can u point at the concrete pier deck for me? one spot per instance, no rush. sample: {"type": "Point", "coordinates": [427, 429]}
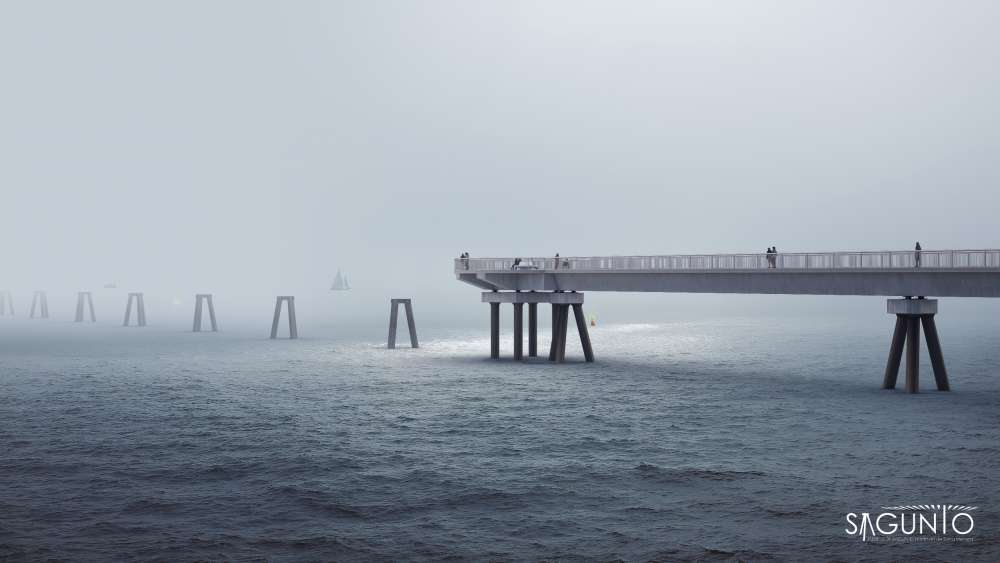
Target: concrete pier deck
{"type": "Point", "coordinates": [941, 273]}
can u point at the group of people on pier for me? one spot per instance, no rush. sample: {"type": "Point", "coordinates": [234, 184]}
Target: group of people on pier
{"type": "Point", "coordinates": [772, 256]}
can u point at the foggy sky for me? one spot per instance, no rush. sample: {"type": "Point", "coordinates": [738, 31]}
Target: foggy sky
{"type": "Point", "coordinates": [252, 148]}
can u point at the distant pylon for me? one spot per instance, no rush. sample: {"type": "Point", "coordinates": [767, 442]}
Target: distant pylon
{"type": "Point", "coordinates": [293, 329]}
{"type": "Point", "coordinates": [197, 312]}
{"type": "Point", "coordinates": [41, 300]}
{"type": "Point", "coordinates": [394, 316]}
{"type": "Point", "coordinates": [140, 309]}
{"type": "Point", "coordinates": [80, 297]}
{"type": "Point", "coordinates": [6, 302]}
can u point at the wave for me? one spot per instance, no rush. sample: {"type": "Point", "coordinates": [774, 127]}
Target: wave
{"type": "Point", "coordinates": [657, 473]}
{"type": "Point", "coordinates": [316, 501]}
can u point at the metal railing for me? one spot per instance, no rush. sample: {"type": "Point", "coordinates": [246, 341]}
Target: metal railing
{"type": "Point", "coordinates": [879, 260]}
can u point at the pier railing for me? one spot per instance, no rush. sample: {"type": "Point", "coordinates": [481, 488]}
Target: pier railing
{"type": "Point", "coordinates": [879, 260]}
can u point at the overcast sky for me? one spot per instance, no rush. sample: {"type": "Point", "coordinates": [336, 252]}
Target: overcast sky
{"type": "Point", "coordinates": [253, 148]}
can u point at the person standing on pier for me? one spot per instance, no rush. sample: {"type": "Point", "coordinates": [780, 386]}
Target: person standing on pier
{"type": "Point", "coordinates": [772, 257]}
{"type": "Point", "coordinates": [916, 255]}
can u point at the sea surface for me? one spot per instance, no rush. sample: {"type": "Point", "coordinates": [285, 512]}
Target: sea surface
{"type": "Point", "coordinates": [712, 440]}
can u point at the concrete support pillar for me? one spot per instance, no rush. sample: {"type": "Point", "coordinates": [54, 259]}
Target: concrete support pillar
{"type": "Point", "coordinates": [555, 333]}
{"type": "Point", "coordinates": [80, 298]}
{"type": "Point", "coordinates": [39, 301]}
{"type": "Point", "coordinates": [934, 349]}
{"type": "Point", "coordinates": [532, 330]}
{"type": "Point", "coordinates": [560, 301]}
{"type": "Point", "coordinates": [393, 320]}
{"type": "Point", "coordinates": [913, 354]}
{"type": "Point", "coordinates": [207, 299]}
{"type": "Point", "coordinates": [140, 309]}
{"type": "Point", "coordinates": [6, 303]}
{"type": "Point", "coordinates": [495, 331]}
{"type": "Point", "coordinates": [410, 322]}
{"type": "Point", "coordinates": [581, 327]}
{"type": "Point", "coordinates": [563, 314]}
{"type": "Point", "coordinates": [518, 331]}
{"type": "Point", "coordinates": [895, 353]}
{"type": "Point", "coordinates": [293, 325]}
{"type": "Point", "coordinates": [910, 314]}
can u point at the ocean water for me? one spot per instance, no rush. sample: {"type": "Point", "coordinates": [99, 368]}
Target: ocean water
{"type": "Point", "coordinates": [716, 440]}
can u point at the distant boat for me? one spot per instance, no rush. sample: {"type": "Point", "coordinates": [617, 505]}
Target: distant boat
{"type": "Point", "coordinates": [340, 283]}
{"type": "Point", "coordinates": [110, 286]}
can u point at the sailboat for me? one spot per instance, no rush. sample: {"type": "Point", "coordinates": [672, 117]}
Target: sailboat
{"type": "Point", "coordinates": [340, 283]}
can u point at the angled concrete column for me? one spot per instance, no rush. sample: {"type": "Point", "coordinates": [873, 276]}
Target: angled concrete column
{"type": "Point", "coordinates": [140, 309]}
{"type": "Point", "coordinates": [934, 349]}
{"type": "Point", "coordinates": [518, 331]}
{"type": "Point", "coordinates": [206, 298]}
{"type": "Point", "coordinates": [39, 301]}
{"type": "Point", "coordinates": [293, 329]}
{"type": "Point", "coordinates": [913, 354]}
{"type": "Point", "coordinates": [293, 322]}
{"type": "Point", "coordinates": [532, 330]}
{"type": "Point", "coordinates": [581, 327]}
{"type": "Point", "coordinates": [910, 314]}
{"type": "Point", "coordinates": [895, 353]}
{"type": "Point", "coordinates": [563, 329]}
{"type": "Point", "coordinates": [411, 323]}
{"type": "Point", "coordinates": [6, 303]}
{"type": "Point", "coordinates": [394, 321]}
{"type": "Point", "coordinates": [80, 298]}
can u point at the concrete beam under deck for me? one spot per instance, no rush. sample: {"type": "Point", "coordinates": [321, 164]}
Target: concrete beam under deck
{"type": "Point", "coordinates": [912, 306]}
{"type": "Point", "coordinates": [894, 282]}
{"type": "Point", "coordinates": [562, 298]}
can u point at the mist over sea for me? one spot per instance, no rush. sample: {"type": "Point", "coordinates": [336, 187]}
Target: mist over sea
{"type": "Point", "coordinates": [716, 439]}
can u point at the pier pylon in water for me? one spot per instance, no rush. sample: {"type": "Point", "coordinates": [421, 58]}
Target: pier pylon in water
{"type": "Point", "coordinates": [40, 300]}
{"type": "Point", "coordinates": [206, 298]}
{"type": "Point", "coordinates": [910, 314]}
{"type": "Point", "coordinates": [140, 309]}
{"type": "Point", "coordinates": [293, 328]}
{"type": "Point", "coordinates": [80, 298]}
{"type": "Point", "coordinates": [561, 303]}
{"type": "Point", "coordinates": [410, 323]}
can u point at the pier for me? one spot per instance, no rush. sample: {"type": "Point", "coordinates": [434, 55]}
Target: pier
{"type": "Point", "coordinates": [904, 274]}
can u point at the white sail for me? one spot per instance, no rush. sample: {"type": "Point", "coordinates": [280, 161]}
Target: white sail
{"type": "Point", "coordinates": [340, 283]}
